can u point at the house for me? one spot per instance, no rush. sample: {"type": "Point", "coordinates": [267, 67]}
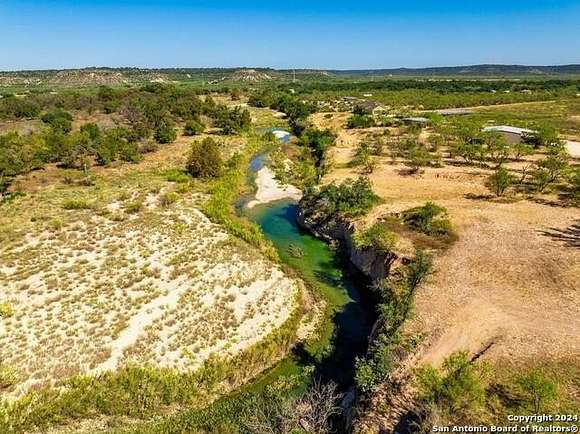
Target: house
{"type": "Point", "coordinates": [513, 135]}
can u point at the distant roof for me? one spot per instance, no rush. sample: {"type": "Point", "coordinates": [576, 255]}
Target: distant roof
{"type": "Point", "coordinates": [453, 111]}
{"type": "Point", "coordinates": [508, 129]}
{"type": "Point", "coordinates": [369, 105]}
{"type": "Point", "coordinates": [416, 119]}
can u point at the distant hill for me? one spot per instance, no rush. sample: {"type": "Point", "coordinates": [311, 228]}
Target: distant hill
{"type": "Point", "coordinates": [118, 76]}
{"type": "Point", "coordinates": [472, 70]}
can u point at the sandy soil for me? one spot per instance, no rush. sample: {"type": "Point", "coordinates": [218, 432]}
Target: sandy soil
{"type": "Point", "coordinates": [573, 148]}
{"type": "Point", "coordinates": [270, 190]}
{"type": "Point", "coordinates": [512, 279]}
{"type": "Point", "coordinates": [93, 289]}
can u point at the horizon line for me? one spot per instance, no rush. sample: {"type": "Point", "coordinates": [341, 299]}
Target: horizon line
{"type": "Point", "coordinates": [398, 68]}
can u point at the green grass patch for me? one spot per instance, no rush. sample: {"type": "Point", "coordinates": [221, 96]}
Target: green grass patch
{"type": "Point", "coordinates": [226, 190]}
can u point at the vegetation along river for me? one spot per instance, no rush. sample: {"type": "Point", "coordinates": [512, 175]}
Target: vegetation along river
{"type": "Point", "coordinates": [329, 356]}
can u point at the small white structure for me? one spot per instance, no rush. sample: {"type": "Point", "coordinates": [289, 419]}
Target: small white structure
{"type": "Point", "coordinates": [281, 135]}
{"type": "Point", "coordinates": [416, 120]}
{"type": "Point", "coordinates": [513, 135]}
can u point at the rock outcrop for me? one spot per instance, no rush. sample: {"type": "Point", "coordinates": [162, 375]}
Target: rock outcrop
{"type": "Point", "coordinates": [375, 265]}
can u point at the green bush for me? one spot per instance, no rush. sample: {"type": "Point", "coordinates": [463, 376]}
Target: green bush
{"type": "Point", "coordinates": [6, 309]}
{"type": "Point", "coordinates": [458, 390]}
{"type": "Point", "coordinates": [8, 378]}
{"type": "Point", "coordinates": [360, 121]}
{"type": "Point", "coordinates": [377, 237]}
{"type": "Point", "coordinates": [178, 176]}
{"type": "Point", "coordinates": [165, 132]}
{"type": "Point", "coordinates": [574, 179]}
{"type": "Point", "coordinates": [204, 159]}
{"type": "Point", "coordinates": [59, 120]}
{"type": "Point", "coordinates": [193, 127]}
{"type": "Point", "coordinates": [168, 198]}
{"type": "Point", "coordinates": [77, 204]}
{"type": "Point", "coordinates": [134, 207]}
{"type": "Point", "coordinates": [233, 121]}
{"type": "Point", "coordinates": [538, 390]}
{"type": "Point", "coordinates": [430, 219]}
{"type": "Point", "coordinates": [363, 157]}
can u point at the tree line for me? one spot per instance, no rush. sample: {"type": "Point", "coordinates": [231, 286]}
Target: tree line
{"type": "Point", "coordinates": [149, 117]}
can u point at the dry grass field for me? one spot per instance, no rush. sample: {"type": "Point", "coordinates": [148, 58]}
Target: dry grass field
{"type": "Point", "coordinates": [127, 269]}
{"type": "Point", "coordinates": [511, 280]}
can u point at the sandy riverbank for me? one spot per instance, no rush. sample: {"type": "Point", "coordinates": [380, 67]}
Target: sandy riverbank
{"type": "Point", "coordinates": [270, 190]}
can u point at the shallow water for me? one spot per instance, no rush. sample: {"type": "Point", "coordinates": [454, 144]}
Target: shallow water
{"type": "Point", "coordinates": [343, 288]}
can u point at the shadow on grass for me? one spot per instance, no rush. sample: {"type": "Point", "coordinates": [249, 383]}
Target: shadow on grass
{"type": "Point", "coordinates": [569, 236]}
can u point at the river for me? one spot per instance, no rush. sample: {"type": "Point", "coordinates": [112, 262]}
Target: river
{"type": "Point", "coordinates": [351, 313]}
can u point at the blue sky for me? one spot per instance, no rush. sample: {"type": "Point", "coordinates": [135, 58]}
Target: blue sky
{"type": "Point", "coordinates": [284, 34]}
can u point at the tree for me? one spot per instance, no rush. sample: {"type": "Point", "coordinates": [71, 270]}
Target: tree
{"type": "Point", "coordinates": [500, 181]}
{"type": "Point", "coordinates": [12, 162]}
{"type": "Point", "coordinates": [419, 157]}
{"type": "Point", "coordinates": [497, 147]}
{"type": "Point", "coordinates": [539, 389]}
{"type": "Point", "coordinates": [59, 120]}
{"type": "Point", "coordinates": [233, 121]}
{"type": "Point", "coordinates": [79, 149]}
{"type": "Point", "coordinates": [544, 136]}
{"type": "Point", "coordinates": [550, 169]}
{"type": "Point", "coordinates": [363, 158]}
{"type": "Point", "coordinates": [521, 149]}
{"type": "Point", "coordinates": [204, 159]}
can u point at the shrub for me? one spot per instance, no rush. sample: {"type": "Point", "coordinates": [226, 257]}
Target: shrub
{"type": "Point", "coordinates": [77, 204]}
{"type": "Point", "coordinates": [165, 132]}
{"type": "Point", "coordinates": [360, 121]}
{"type": "Point", "coordinates": [146, 146]}
{"type": "Point", "coordinates": [538, 389]}
{"type": "Point", "coordinates": [550, 169]}
{"type": "Point", "coordinates": [59, 120]}
{"type": "Point", "coordinates": [134, 207]}
{"type": "Point", "coordinates": [363, 157]}
{"type": "Point", "coordinates": [178, 176]}
{"type": "Point", "coordinates": [574, 179]}
{"type": "Point", "coordinates": [193, 127]}
{"type": "Point", "coordinates": [458, 390]}
{"type": "Point", "coordinates": [6, 309]}
{"type": "Point", "coordinates": [500, 181]}
{"type": "Point", "coordinates": [233, 121]}
{"type": "Point", "coordinates": [168, 198]}
{"type": "Point", "coordinates": [377, 237]}
{"type": "Point", "coordinates": [8, 377]}
{"type": "Point", "coordinates": [204, 159]}
{"type": "Point", "coordinates": [430, 219]}
{"type": "Point", "coordinates": [419, 157]}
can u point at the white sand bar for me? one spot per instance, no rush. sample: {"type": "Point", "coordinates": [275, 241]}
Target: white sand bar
{"type": "Point", "coordinates": [270, 190]}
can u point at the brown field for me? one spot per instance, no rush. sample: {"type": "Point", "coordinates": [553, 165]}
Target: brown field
{"type": "Point", "coordinates": [511, 280]}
